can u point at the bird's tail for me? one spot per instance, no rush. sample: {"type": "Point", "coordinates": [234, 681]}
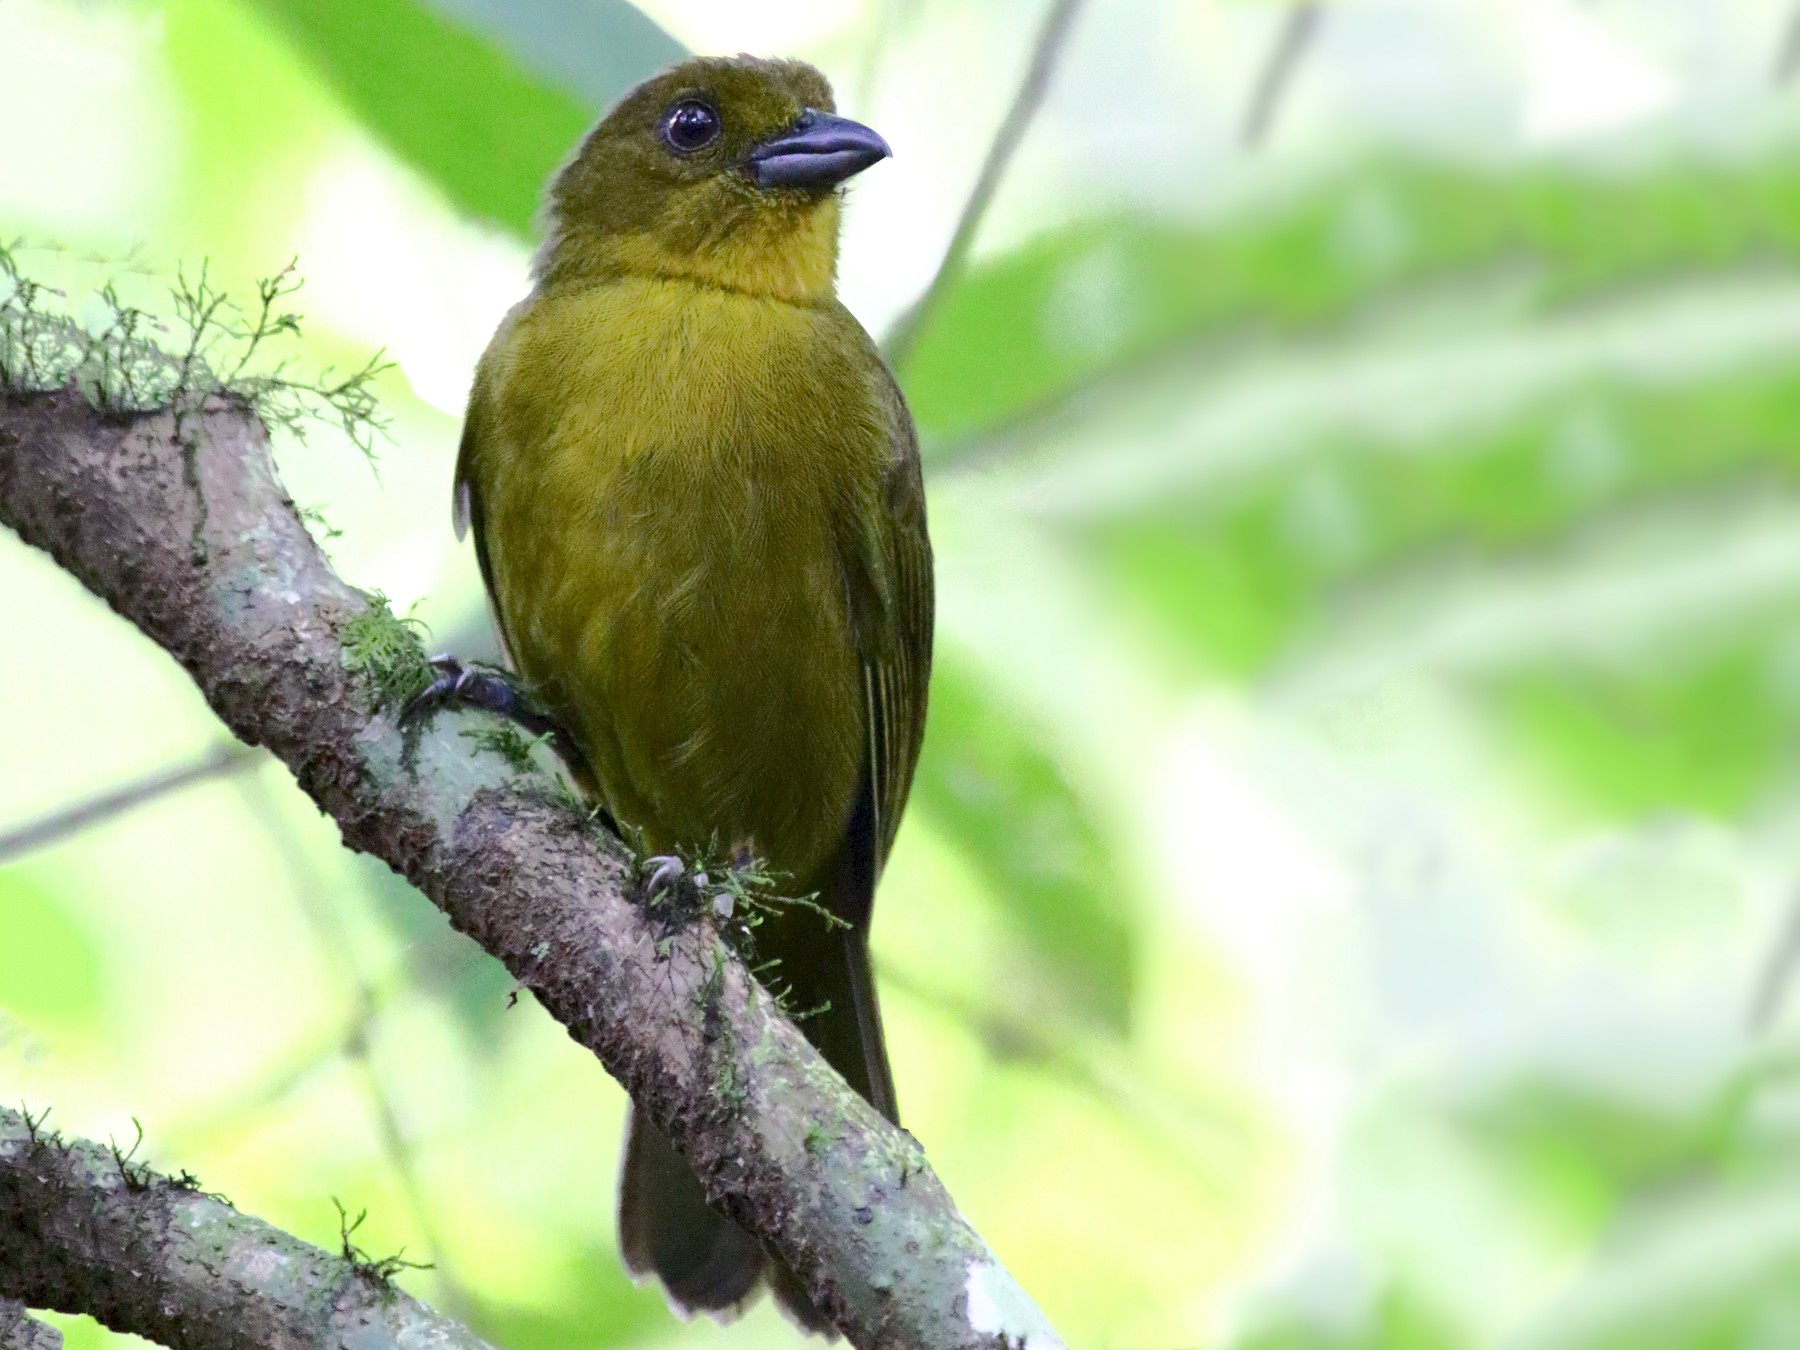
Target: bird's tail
{"type": "Point", "coordinates": [705, 1262]}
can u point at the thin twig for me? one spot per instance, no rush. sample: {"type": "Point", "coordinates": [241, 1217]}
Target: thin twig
{"type": "Point", "coordinates": [59, 825]}
{"type": "Point", "coordinates": [1051, 39]}
{"type": "Point", "coordinates": [1776, 974]}
{"type": "Point", "coordinates": [1787, 56]}
{"type": "Point", "coordinates": [1299, 29]}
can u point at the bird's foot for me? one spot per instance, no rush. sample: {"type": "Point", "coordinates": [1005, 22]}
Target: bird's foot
{"type": "Point", "coordinates": [465, 685]}
{"type": "Point", "coordinates": [665, 873]}
{"type": "Point", "coordinates": [470, 686]}
{"type": "Point", "coordinates": [660, 872]}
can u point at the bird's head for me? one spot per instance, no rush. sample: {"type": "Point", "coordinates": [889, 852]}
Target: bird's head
{"type": "Point", "coordinates": [721, 171]}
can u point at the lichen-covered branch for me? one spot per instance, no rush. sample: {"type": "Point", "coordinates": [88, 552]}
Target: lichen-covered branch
{"type": "Point", "coordinates": [83, 1228]}
{"type": "Point", "coordinates": [19, 1330]}
{"type": "Point", "coordinates": [178, 521]}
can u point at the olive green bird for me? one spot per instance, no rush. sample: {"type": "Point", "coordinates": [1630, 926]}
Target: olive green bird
{"type": "Point", "coordinates": [695, 494]}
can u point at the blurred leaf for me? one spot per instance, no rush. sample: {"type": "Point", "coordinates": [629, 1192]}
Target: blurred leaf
{"type": "Point", "coordinates": [1703, 735]}
{"type": "Point", "coordinates": [1714, 1274]}
{"type": "Point", "coordinates": [49, 965]}
{"type": "Point", "coordinates": [471, 985]}
{"type": "Point", "coordinates": [1226, 599]}
{"type": "Point", "coordinates": [1033, 326]}
{"type": "Point", "coordinates": [987, 783]}
{"type": "Point", "coordinates": [603, 1307]}
{"type": "Point", "coordinates": [1400, 1320]}
{"type": "Point", "coordinates": [1238, 568]}
{"type": "Point", "coordinates": [596, 49]}
{"type": "Point", "coordinates": [1576, 1152]}
{"type": "Point", "coordinates": [458, 106]}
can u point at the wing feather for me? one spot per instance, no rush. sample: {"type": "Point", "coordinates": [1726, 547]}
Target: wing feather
{"type": "Point", "coordinates": [466, 512]}
{"type": "Point", "coordinates": [893, 617]}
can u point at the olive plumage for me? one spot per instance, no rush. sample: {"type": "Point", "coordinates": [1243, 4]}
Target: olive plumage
{"type": "Point", "coordinates": [695, 494]}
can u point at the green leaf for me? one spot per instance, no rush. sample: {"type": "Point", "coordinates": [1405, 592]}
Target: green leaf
{"type": "Point", "coordinates": [480, 121]}
{"type": "Point", "coordinates": [596, 49]}
{"type": "Point", "coordinates": [602, 1308]}
{"type": "Point", "coordinates": [1399, 1320]}
{"type": "Point", "coordinates": [1238, 570]}
{"type": "Point", "coordinates": [1707, 733]}
{"type": "Point", "coordinates": [1576, 1152]}
{"type": "Point", "coordinates": [49, 965]}
{"type": "Point", "coordinates": [1036, 325]}
{"type": "Point", "coordinates": [988, 783]}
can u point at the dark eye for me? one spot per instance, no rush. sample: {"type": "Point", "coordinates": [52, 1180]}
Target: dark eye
{"type": "Point", "coordinates": [690, 125]}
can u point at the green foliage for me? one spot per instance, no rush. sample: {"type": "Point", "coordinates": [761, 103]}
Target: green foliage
{"type": "Point", "coordinates": [1400, 1320]}
{"type": "Point", "coordinates": [988, 783]}
{"type": "Point", "coordinates": [1707, 734]}
{"type": "Point", "coordinates": [50, 965]}
{"type": "Point", "coordinates": [386, 651]}
{"type": "Point", "coordinates": [1577, 1155]}
{"type": "Point", "coordinates": [1238, 570]}
{"type": "Point", "coordinates": [1031, 328]}
{"type": "Point", "coordinates": [464, 110]}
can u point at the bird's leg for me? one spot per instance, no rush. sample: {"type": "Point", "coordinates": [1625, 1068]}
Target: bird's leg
{"type": "Point", "coordinates": [470, 686]}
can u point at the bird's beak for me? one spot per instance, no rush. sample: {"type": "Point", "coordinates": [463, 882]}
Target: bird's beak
{"type": "Point", "coordinates": [818, 152]}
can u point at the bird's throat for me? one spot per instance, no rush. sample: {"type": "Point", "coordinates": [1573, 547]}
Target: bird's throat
{"type": "Point", "coordinates": [789, 256]}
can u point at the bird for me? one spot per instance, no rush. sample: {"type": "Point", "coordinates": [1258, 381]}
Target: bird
{"type": "Point", "coordinates": [696, 500]}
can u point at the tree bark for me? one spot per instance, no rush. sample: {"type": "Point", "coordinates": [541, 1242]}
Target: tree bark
{"type": "Point", "coordinates": [82, 1230]}
{"type": "Point", "coordinates": [178, 521]}
{"type": "Point", "coordinates": [19, 1330]}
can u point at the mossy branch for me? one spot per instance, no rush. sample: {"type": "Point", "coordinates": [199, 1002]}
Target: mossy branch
{"type": "Point", "coordinates": [86, 1228]}
{"type": "Point", "coordinates": [178, 521]}
{"type": "Point", "coordinates": [134, 363]}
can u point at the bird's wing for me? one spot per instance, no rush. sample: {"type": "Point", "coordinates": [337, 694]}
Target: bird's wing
{"type": "Point", "coordinates": [466, 502]}
{"type": "Point", "coordinates": [891, 616]}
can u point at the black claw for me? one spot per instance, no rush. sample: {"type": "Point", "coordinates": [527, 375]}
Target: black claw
{"type": "Point", "coordinates": [474, 687]}
{"type": "Point", "coordinates": [466, 686]}
{"type": "Point", "coordinates": [665, 870]}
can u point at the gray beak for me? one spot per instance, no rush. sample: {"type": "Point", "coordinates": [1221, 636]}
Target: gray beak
{"type": "Point", "coordinates": [818, 152]}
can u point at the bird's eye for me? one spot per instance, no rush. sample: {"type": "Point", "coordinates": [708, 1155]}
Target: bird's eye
{"type": "Point", "coordinates": [690, 125]}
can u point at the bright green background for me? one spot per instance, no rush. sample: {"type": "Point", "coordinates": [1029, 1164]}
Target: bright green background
{"type": "Point", "coordinates": [1358, 813]}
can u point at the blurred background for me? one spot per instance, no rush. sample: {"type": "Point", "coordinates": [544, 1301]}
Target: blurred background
{"type": "Point", "coordinates": [1350, 895]}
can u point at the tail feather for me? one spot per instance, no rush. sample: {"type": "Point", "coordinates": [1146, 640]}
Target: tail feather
{"type": "Point", "coordinates": [703, 1259]}
{"type": "Point", "coordinates": [706, 1263]}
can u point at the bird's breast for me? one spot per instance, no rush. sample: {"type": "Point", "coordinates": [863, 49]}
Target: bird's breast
{"type": "Point", "coordinates": [664, 525]}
